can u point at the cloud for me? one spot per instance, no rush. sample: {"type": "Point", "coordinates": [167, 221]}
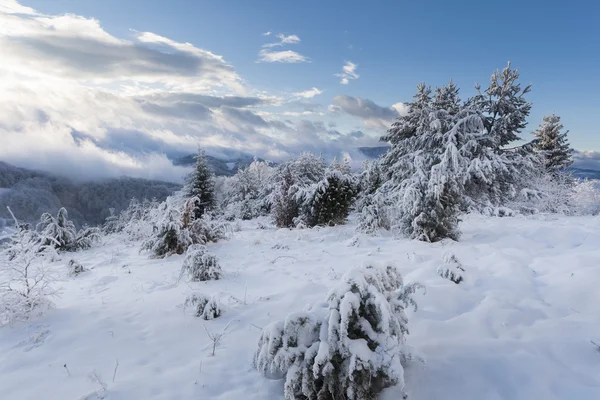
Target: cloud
{"type": "Point", "coordinates": [310, 93]}
{"type": "Point", "coordinates": [373, 115]}
{"type": "Point", "coordinates": [75, 47]}
{"type": "Point", "coordinates": [586, 159]}
{"type": "Point", "coordinates": [268, 33]}
{"type": "Point", "coordinates": [348, 73]}
{"type": "Point", "coordinates": [81, 102]}
{"type": "Point", "coordinates": [12, 7]}
{"type": "Point", "coordinates": [283, 40]}
{"type": "Point", "coordinates": [284, 56]}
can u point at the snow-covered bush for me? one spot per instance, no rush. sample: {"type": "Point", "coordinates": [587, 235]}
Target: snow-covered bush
{"type": "Point", "coordinates": [199, 265]}
{"type": "Point", "coordinates": [284, 205]}
{"type": "Point", "coordinates": [352, 348]}
{"type": "Point", "coordinates": [205, 307]}
{"type": "Point", "coordinates": [59, 232]}
{"type": "Point", "coordinates": [245, 194]}
{"type": "Point", "coordinates": [547, 193]}
{"type": "Point", "coordinates": [586, 197]}
{"type": "Point", "coordinates": [26, 285]}
{"type": "Point", "coordinates": [207, 229]}
{"type": "Point", "coordinates": [178, 228]}
{"type": "Point", "coordinates": [74, 268]}
{"type": "Point", "coordinates": [87, 237]}
{"type": "Point", "coordinates": [328, 202]}
{"type": "Point", "coordinates": [171, 237]}
{"type": "Point", "coordinates": [452, 269]}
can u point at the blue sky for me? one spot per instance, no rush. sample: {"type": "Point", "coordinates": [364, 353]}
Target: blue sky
{"type": "Point", "coordinates": [393, 45]}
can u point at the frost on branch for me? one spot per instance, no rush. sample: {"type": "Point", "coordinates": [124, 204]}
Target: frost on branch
{"type": "Point", "coordinates": [452, 269]}
{"type": "Point", "coordinates": [199, 265]}
{"type": "Point", "coordinates": [205, 307]}
{"type": "Point", "coordinates": [352, 348]}
{"type": "Point", "coordinates": [26, 285]}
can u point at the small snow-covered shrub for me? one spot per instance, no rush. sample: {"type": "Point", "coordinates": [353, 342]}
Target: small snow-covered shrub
{"type": "Point", "coordinates": [586, 197]}
{"type": "Point", "coordinates": [452, 269]}
{"type": "Point", "coordinates": [87, 237]}
{"type": "Point", "coordinates": [75, 268]}
{"type": "Point", "coordinates": [205, 307]}
{"type": "Point", "coordinates": [206, 229]}
{"type": "Point", "coordinates": [171, 237]}
{"type": "Point", "coordinates": [352, 348]}
{"type": "Point", "coordinates": [199, 265]}
{"type": "Point", "coordinates": [26, 285]}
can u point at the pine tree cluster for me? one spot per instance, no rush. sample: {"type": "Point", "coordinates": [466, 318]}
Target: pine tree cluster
{"type": "Point", "coordinates": [449, 156]}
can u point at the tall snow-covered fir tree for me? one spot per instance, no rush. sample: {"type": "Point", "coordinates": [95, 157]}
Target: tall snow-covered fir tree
{"type": "Point", "coordinates": [504, 106]}
{"type": "Point", "coordinates": [553, 145]}
{"type": "Point", "coordinates": [422, 165]}
{"type": "Point", "coordinates": [200, 184]}
{"type": "Point", "coordinates": [441, 157]}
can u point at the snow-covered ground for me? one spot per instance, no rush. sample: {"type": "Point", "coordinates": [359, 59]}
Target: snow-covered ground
{"type": "Point", "coordinates": [518, 327]}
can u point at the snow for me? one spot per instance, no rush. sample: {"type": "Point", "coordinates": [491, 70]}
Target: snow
{"type": "Point", "coordinates": [231, 165]}
{"type": "Point", "coordinates": [518, 327]}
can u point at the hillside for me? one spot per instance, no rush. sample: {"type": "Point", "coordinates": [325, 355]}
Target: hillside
{"type": "Point", "coordinates": [519, 327]}
{"type": "Point", "coordinates": [30, 193]}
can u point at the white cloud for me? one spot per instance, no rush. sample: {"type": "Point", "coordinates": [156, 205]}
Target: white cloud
{"type": "Point", "coordinates": [77, 100]}
{"type": "Point", "coordinates": [309, 94]}
{"type": "Point", "coordinates": [284, 56]}
{"type": "Point", "coordinates": [372, 114]}
{"type": "Point", "coordinates": [267, 33]}
{"type": "Point", "coordinates": [348, 73]}
{"type": "Point", "coordinates": [283, 40]}
{"type": "Point", "coordinates": [12, 7]}
{"type": "Point", "coordinates": [75, 47]}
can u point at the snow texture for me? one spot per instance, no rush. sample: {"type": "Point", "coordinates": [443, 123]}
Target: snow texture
{"type": "Point", "coordinates": [518, 328]}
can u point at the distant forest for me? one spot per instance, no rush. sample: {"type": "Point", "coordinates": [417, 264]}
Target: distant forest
{"type": "Point", "coordinates": [30, 193]}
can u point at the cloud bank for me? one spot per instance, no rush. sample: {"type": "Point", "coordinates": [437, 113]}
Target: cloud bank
{"type": "Point", "coordinates": [78, 101]}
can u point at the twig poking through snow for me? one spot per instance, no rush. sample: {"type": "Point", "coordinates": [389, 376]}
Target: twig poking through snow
{"type": "Point", "coordinates": [115, 373]}
{"type": "Point", "coordinates": [216, 337]}
{"type": "Point", "coordinates": [595, 344]}
{"type": "Point", "coordinates": [277, 258]}
{"type": "Point", "coordinates": [67, 368]}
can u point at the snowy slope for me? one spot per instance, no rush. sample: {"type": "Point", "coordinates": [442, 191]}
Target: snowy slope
{"type": "Point", "coordinates": [519, 327]}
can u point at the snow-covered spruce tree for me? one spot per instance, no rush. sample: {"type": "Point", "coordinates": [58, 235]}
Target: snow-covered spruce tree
{"type": "Point", "coordinates": [171, 238]}
{"type": "Point", "coordinates": [199, 265]}
{"type": "Point", "coordinates": [111, 224]}
{"type": "Point", "coordinates": [26, 285]}
{"type": "Point", "coordinates": [328, 201]}
{"type": "Point", "coordinates": [504, 106]}
{"type": "Point", "coordinates": [424, 169]}
{"type": "Point", "coordinates": [60, 232]}
{"type": "Point", "coordinates": [372, 204]}
{"type": "Point", "coordinates": [553, 145]}
{"type": "Point", "coordinates": [200, 184]}
{"type": "Point", "coordinates": [284, 205]}
{"type": "Point", "coordinates": [352, 349]}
